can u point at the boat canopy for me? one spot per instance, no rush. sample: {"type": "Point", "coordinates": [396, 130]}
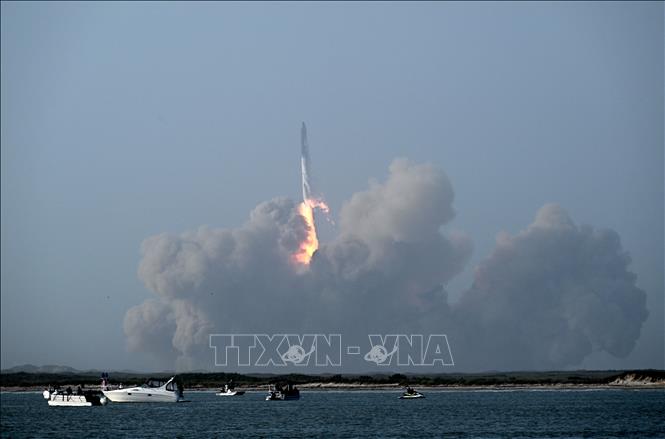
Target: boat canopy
{"type": "Point", "coordinates": [156, 382]}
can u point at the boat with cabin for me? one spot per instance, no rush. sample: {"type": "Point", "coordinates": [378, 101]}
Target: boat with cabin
{"type": "Point", "coordinates": [153, 390]}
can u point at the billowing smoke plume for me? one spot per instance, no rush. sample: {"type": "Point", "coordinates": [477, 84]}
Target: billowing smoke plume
{"type": "Point", "coordinates": [217, 280]}
{"type": "Point", "coordinates": [549, 296]}
{"type": "Point", "coordinates": [545, 298]}
{"type": "Point", "coordinates": [386, 269]}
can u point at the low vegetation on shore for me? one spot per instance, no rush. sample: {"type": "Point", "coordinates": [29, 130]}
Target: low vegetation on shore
{"type": "Point", "coordinates": [649, 378]}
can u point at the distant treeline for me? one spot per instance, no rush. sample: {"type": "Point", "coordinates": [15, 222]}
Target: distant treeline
{"type": "Point", "coordinates": [211, 380]}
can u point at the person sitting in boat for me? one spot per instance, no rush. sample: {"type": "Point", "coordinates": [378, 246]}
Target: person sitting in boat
{"type": "Point", "coordinates": [79, 390]}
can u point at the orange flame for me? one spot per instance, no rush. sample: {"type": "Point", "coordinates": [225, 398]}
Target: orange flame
{"type": "Point", "coordinates": [318, 204]}
{"type": "Point", "coordinates": [311, 242]}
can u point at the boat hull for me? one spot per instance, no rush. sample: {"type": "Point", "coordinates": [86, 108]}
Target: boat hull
{"type": "Point", "coordinates": [240, 393]}
{"type": "Point", "coordinates": [417, 396]}
{"type": "Point", "coordinates": [64, 400]}
{"type": "Point", "coordinates": [140, 395]}
{"type": "Point", "coordinates": [282, 397]}
{"type": "Point", "coordinates": [69, 401]}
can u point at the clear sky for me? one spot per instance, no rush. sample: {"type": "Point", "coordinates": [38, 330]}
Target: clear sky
{"type": "Point", "coordinates": [125, 120]}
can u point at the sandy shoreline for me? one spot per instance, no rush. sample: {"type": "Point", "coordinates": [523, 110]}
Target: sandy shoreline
{"type": "Point", "coordinates": [396, 387]}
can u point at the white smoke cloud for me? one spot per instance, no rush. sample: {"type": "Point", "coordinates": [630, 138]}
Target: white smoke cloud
{"type": "Point", "coordinates": [549, 296]}
{"type": "Point", "coordinates": [411, 206]}
{"type": "Point", "coordinates": [540, 300]}
{"type": "Point", "coordinates": [387, 267]}
{"type": "Point", "coordinates": [151, 324]}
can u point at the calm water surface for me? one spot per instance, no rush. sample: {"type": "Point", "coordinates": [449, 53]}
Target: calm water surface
{"type": "Point", "coordinates": [465, 414]}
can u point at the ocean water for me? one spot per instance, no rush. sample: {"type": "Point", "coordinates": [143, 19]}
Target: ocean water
{"type": "Point", "coordinates": [363, 414]}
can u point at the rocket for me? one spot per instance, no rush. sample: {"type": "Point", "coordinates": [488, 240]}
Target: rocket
{"type": "Point", "coordinates": [304, 166]}
{"type": "Point", "coordinates": [310, 202]}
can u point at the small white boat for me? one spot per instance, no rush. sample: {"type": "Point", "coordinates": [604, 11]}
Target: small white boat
{"type": "Point", "coordinates": [68, 399]}
{"type": "Point", "coordinates": [154, 390]}
{"type": "Point", "coordinates": [411, 394]}
{"type": "Point", "coordinates": [229, 391]}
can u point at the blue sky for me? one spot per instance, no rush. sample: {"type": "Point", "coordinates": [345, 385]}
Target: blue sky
{"type": "Point", "coordinates": [124, 120]}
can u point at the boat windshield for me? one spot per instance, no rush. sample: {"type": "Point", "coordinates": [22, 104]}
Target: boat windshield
{"type": "Point", "coordinates": [154, 383]}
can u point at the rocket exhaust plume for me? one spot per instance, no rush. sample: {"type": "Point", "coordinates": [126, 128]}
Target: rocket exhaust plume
{"type": "Point", "coordinates": [309, 202]}
{"type": "Point", "coordinates": [390, 256]}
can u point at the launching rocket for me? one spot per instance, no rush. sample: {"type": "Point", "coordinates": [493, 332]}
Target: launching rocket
{"type": "Point", "coordinates": [309, 202]}
{"type": "Point", "coordinates": [304, 165]}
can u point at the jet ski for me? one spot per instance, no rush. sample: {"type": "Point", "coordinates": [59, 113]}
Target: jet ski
{"type": "Point", "coordinates": [410, 393]}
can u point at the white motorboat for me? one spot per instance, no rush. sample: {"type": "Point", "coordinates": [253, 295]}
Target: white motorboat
{"type": "Point", "coordinates": [230, 391]}
{"type": "Point", "coordinates": [86, 398]}
{"type": "Point", "coordinates": [154, 390]}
